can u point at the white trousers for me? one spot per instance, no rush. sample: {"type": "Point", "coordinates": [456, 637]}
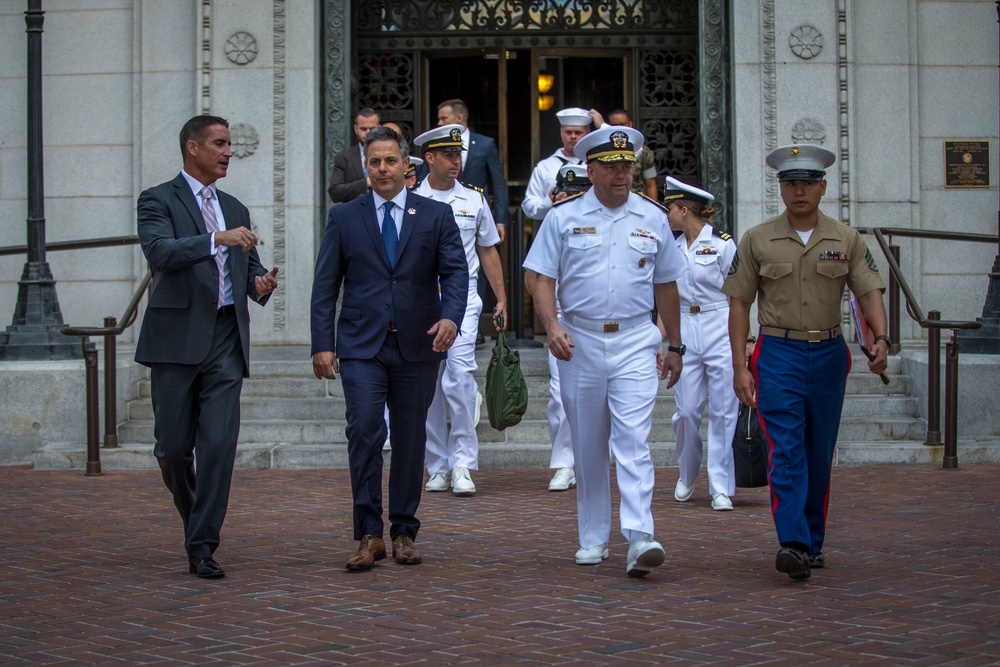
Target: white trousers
{"type": "Point", "coordinates": [456, 388]}
{"type": "Point", "coordinates": [562, 443]}
{"type": "Point", "coordinates": [708, 361]}
{"type": "Point", "coordinates": [608, 390]}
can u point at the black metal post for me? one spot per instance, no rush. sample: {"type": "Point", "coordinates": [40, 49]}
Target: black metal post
{"type": "Point", "coordinates": [894, 304]}
{"type": "Point", "coordinates": [933, 382]}
{"type": "Point", "coordinates": [93, 445]}
{"type": "Point", "coordinates": [515, 299]}
{"type": "Point", "coordinates": [987, 339]}
{"type": "Point", "coordinates": [35, 333]}
{"type": "Point", "coordinates": [110, 385]}
{"type": "Point", "coordinates": [950, 460]}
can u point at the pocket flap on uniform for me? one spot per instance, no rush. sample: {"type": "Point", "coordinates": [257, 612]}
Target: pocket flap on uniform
{"type": "Point", "coordinates": [775, 270]}
{"type": "Point", "coordinates": [584, 241]}
{"type": "Point", "coordinates": [169, 301]}
{"type": "Point", "coordinates": [832, 269]}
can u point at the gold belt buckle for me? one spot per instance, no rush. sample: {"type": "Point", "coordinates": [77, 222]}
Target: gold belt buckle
{"type": "Point", "coordinates": [695, 309]}
{"type": "Point", "coordinates": [815, 340]}
{"type": "Point", "coordinates": [610, 327]}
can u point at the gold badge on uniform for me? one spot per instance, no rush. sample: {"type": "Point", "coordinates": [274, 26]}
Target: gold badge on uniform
{"type": "Point", "coordinates": [585, 230]}
{"type": "Point", "coordinates": [795, 150]}
{"type": "Point", "coordinates": [456, 134]}
{"type": "Point", "coordinates": [619, 139]}
{"type": "Point", "coordinates": [642, 262]}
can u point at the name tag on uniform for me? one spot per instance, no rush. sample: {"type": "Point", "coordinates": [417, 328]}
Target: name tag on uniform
{"type": "Point", "coordinates": [833, 255]}
{"type": "Point", "coordinates": [585, 230]}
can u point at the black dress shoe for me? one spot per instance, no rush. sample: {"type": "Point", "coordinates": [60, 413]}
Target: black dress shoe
{"type": "Point", "coordinates": [793, 562]}
{"type": "Point", "coordinates": [206, 568]}
{"type": "Point", "coordinates": [817, 561]}
{"type": "Point", "coordinates": [480, 339]}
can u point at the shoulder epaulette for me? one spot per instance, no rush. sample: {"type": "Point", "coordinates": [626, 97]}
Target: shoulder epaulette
{"type": "Point", "coordinates": [416, 185]}
{"type": "Point", "coordinates": [473, 187]}
{"type": "Point", "coordinates": [570, 198]}
{"type": "Point", "coordinates": [721, 234]}
{"type": "Point", "coordinates": [652, 201]}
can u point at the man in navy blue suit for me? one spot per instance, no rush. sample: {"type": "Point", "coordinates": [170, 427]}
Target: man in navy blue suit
{"type": "Point", "coordinates": [391, 250]}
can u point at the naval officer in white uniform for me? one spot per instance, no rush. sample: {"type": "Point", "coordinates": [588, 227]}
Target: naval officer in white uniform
{"type": "Point", "coordinates": [613, 255]}
{"type": "Point", "coordinates": [708, 254]}
{"type": "Point", "coordinates": [457, 452]}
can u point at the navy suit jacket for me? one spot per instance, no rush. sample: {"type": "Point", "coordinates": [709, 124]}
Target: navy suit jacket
{"type": "Point", "coordinates": [347, 180]}
{"type": "Point", "coordinates": [430, 253]}
{"type": "Point", "coordinates": [177, 325]}
{"type": "Point", "coordinates": [484, 170]}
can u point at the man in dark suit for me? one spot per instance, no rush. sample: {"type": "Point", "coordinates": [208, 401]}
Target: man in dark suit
{"type": "Point", "coordinates": [391, 250]}
{"type": "Point", "coordinates": [349, 178]}
{"type": "Point", "coordinates": [195, 334]}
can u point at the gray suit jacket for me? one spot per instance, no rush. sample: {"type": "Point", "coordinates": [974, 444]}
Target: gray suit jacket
{"type": "Point", "coordinates": [178, 323]}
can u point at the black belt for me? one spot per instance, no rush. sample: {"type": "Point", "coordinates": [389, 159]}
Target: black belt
{"type": "Point", "coordinates": [226, 311]}
{"type": "Point", "coordinates": [392, 326]}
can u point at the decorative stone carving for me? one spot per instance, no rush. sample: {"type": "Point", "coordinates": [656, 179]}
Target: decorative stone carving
{"type": "Point", "coordinates": [845, 133]}
{"type": "Point", "coordinates": [713, 106]}
{"type": "Point", "coordinates": [806, 42]}
{"type": "Point", "coordinates": [244, 138]}
{"type": "Point", "coordinates": [241, 48]}
{"type": "Point", "coordinates": [770, 95]}
{"type": "Point", "coordinates": [808, 131]}
{"type": "Point", "coordinates": [279, 220]}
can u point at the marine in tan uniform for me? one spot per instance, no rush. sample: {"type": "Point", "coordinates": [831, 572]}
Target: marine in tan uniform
{"type": "Point", "coordinates": [796, 266]}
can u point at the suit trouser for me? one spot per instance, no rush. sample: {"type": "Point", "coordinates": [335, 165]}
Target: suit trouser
{"type": "Point", "coordinates": [562, 442]}
{"type": "Point", "coordinates": [407, 387]}
{"type": "Point", "coordinates": [456, 387]}
{"type": "Point", "coordinates": [608, 390]}
{"type": "Point", "coordinates": [197, 417]}
{"type": "Point", "coordinates": [800, 396]}
{"type": "Point", "coordinates": [708, 362]}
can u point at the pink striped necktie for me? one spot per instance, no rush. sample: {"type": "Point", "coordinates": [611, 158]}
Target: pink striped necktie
{"type": "Point", "coordinates": [212, 225]}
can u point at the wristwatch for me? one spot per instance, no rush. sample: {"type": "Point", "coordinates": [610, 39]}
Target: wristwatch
{"type": "Point", "coordinates": [679, 350]}
{"type": "Point", "coordinates": [885, 338]}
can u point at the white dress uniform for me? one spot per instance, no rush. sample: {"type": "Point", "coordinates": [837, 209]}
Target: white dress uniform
{"type": "Point", "coordinates": [606, 263]}
{"type": "Point", "coordinates": [456, 378]}
{"type": "Point", "coordinates": [705, 332]}
{"type": "Point", "coordinates": [543, 178]}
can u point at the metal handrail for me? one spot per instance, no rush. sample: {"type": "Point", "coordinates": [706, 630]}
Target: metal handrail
{"type": "Point", "coordinates": [111, 330]}
{"type": "Point", "coordinates": [934, 325]}
{"type": "Point", "coordinates": [83, 244]}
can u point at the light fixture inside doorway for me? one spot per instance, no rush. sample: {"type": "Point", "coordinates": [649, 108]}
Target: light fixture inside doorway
{"type": "Point", "coordinates": [545, 83]}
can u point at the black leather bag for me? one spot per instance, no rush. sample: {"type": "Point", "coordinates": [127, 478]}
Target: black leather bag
{"type": "Point", "coordinates": [749, 450]}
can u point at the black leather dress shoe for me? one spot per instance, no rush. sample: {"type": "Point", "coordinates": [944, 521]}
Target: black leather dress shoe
{"type": "Point", "coordinates": [206, 568]}
{"type": "Point", "coordinates": [793, 562]}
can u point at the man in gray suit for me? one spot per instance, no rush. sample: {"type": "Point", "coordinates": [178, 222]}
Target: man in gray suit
{"type": "Point", "coordinates": [349, 178]}
{"type": "Point", "coordinates": [195, 334]}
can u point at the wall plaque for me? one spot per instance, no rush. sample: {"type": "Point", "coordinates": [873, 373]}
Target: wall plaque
{"type": "Point", "coordinates": [966, 164]}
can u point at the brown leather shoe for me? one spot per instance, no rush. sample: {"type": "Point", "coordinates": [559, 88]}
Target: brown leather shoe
{"type": "Point", "coordinates": [404, 552]}
{"type": "Point", "coordinates": [371, 549]}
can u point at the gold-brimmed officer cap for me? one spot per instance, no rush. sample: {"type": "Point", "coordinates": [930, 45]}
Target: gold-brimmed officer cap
{"type": "Point", "coordinates": [414, 163]}
{"type": "Point", "coordinates": [801, 162]}
{"type": "Point", "coordinates": [610, 143]}
{"type": "Point", "coordinates": [443, 138]}
{"type": "Point", "coordinates": [674, 189]}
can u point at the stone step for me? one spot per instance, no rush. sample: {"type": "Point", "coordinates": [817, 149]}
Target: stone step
{"type": "Point", "coordinates": [258, 408]}
{"type": "Point", "coordinates": [264, 456]}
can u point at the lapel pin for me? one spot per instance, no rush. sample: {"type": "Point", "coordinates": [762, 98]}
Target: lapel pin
{"type": "Point", "coordinates": [411, 211]}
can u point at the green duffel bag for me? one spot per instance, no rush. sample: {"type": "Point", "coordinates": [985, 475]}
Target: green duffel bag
{"type": "Point", "coordinates": [506, 391]}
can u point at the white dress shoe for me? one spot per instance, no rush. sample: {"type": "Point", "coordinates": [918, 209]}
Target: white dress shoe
{"type": "Point", "coordinates": [683, 492]}
{"type": "Point", "coordinates": [592, 555]}
{"type": "Point", "coordinates": [644, 553]}
{"type": "Point", "coordinates": [563, 480]}
{"type": "Point", "coordinates": [461, 482]}
{"type": "Point", "coordinates": [721, 502]}
{"type": "Point", "coordinates": [437, 482]}
{"type": "Point", "coordinates": [479, 408]}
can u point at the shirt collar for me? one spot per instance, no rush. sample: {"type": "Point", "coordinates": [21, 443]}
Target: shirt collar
{"type": "Point", "coordinates": [197, 186]}
{"type": "Point", "coordinates": [399, 200]}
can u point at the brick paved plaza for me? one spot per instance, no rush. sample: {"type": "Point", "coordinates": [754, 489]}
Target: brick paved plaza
{"type": "Point", "coordinates": [93, 573]}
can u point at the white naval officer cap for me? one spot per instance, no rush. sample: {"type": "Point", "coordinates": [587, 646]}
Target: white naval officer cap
{"type": "Point", "coordinates": [674, 189]}
{"type": "Point", "coordinates": [610, 143]}
{"type": "Point", "coordinates": [801, 162]}
{"type": "Point", "coordinates": [414, 163]}
{"type": "Point", "coordinates": [443, 138]}
{"type": "Point", "coordinates": [574, 116]}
